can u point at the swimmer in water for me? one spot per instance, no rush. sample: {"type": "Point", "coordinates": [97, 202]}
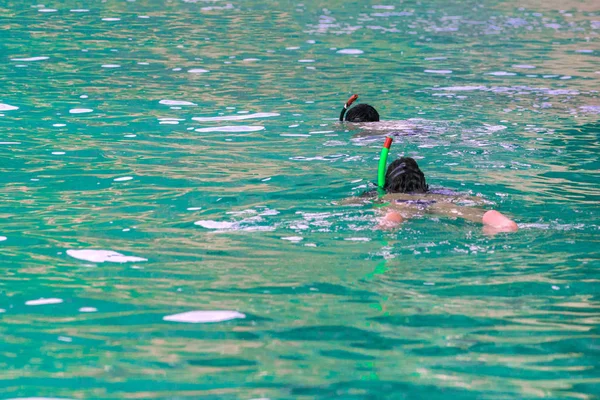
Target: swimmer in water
{"type": "Point", "coordinates": [407, 195]}
{"type": "Point", "coordinates": [359, 113]}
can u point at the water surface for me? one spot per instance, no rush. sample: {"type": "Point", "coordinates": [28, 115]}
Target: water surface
{"type": "Point", "coordinates": [173, 223]}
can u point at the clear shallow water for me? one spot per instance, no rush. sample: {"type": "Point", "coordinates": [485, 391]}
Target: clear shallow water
{"type": "Point", "coordinates": [196, 143]}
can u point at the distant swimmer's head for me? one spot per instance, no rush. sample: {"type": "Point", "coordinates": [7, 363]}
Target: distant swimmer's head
{"type": "Point", "coordinates": [405, 176]}
{"type": "Point", "coordinates": [360, 112]}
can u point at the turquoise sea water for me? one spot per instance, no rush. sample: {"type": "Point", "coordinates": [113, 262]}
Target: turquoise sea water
{"type": "Point", "coordinates": [199, 141]}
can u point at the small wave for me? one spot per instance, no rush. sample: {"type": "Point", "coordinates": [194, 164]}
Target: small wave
{"type": "Point", "coordinates": [176, 103]}
{"type": "Point", "coordinates": [210, 224]}
{"type": "Point", "coordinates": [438, 71]}
{"type": "Point", "coordinates": [202, 317]}
{"type": "Point", "coordinates": [80, 110]}
{"type": "Point", "coordinates": [7, 107]}
{"type": "Point", "coordinates": [42, 301]}
{"type": "Point", "coordinates": [30, 59]}
{"type": "Point", "coordinates": [100, 256]}
{"type": "Point", "coordinates": [235, 117]}
{"type": "Point", "coordinates": [230, 128]}
{"type": "Point", "coordinates": [294, 239]}
{"type": "Point", "coordinates": [501, 73]}
{"type": "Point", "coordinates": [350, 51]}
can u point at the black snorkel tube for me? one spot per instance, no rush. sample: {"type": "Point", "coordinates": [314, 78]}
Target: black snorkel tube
{"type": "Point", "coordinates": [351, 100]}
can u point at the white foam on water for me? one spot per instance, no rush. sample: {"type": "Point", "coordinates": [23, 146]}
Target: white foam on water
{"type": "Point", "coordinates": [209, 224]}
{"type": "Point", "coordinates": [350, 51]}
{"type": "Point", "coordinates": [236, 117]}
{"type": "Point", "coordinates": [494, 128]}
{"type": "Point", "coordinates": [197, 71]}
{"type": "Point", "coordinates": [111, 66]}
{"type": "Point", "coordinates": [42, 301]}
{"type": "Point", "coordinates": [294, 239]}
{"type": "Point", "coordinates": [269, 212]}
{"type": "Point", "coordinates": [318, 132]}
{"type": "Point", "coordinates": [99, 256]}
{"type": "Point", "coordinates": [501, 73]}
{"type": "Point", "coordinates": [58, 153]}
{"type": "Point", "coordinates": [47, 10]}
{"type": "Point", "coordinates": [123, 179]}
{"type": "Point", "coordinates": [59, 125]}
{"type": "Point", "coordinates": [250, 59]}
{"type": "Point", "coordinates": [7, 107]}
{"type": "Point", "coordinates": [194, 208]}
{"type": "Point", "coordinates": [10, 142]}
{"type": "Point", "coordinates": [79, 10]}
{"type": "Point", "coordinates": [202, 317]}
{"type": "Point", "coordinates": [3, 238]}
{"type": "Point", "coordinates": [524, 66]}
{"type": "Point", "coordinates": [176, 103]}
{"type": "Point", "coordinates": [88, 309]}
{"type": "Point", "coordinates": [382, 7]}
{"type": "Point", "coordinates": [389, 125]}
{"type": "Point", "coordinates": [306, 61]}
{"type": "Point", "coordinates": [30, 59]}
{"type": "Point", "coordinates": [111, 19]}
{"type": "Point", "coordinates": [80, 110]}
{"type": "Point", "coordinates": [462, 88]}
{"type": "Point", "coordinates": [169, 122]}
{"type": "Point", "coordinates": [294, 135]}
{"type": "Point", "coordinates": [37, 398]}
{"type": "Point", "coordinates": [357, 239]}
{"type": "Point", "coordinates": [231, 128]}
{"type": "Point", "coordinates": [438, 71]}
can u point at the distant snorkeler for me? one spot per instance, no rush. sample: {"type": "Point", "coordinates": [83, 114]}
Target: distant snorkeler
{"type": "Point", "coordinates": [406, 194]}
{"type": "Point", "coordinates": [360, 112]}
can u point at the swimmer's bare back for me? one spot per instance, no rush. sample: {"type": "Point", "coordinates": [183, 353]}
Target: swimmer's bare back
{"type": "Point", "coordinates": [403, 206]}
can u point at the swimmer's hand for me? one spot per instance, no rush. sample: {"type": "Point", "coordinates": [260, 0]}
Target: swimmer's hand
{"type": "Point", "coordinates": [495, 222]}
{"type": "Point", "coordinates": [391, 220]}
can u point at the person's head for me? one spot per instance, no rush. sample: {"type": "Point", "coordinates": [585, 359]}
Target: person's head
{"type": "Point", "coordinates": [362, 113]}
{"type": "Point", "coordinates": [359, 113]}
{"type": "Point", "coordinates": [405, 176]}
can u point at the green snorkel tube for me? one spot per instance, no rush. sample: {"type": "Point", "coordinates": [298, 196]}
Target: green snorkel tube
{"type": "Point", "coordinates": [383, 164]}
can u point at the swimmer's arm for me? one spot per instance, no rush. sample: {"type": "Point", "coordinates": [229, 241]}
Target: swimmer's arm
{"type": "Point", "coordinates": [351, 201]}
{"type": "Point", "coordinates": [357, 201]}
{"type": "Point", "coordinates": [492, 219]}
{"type": "Point", "coordinates": [393, 214]}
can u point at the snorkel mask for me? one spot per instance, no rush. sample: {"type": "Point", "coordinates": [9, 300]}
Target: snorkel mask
{"type": "Point", "coordinates": [383, 164]}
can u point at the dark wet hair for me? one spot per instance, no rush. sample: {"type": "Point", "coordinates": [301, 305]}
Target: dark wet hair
{"type": "Point", "coordinates": [405, 176]}
{"type": "Point", "coordinates": [362, 113]}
